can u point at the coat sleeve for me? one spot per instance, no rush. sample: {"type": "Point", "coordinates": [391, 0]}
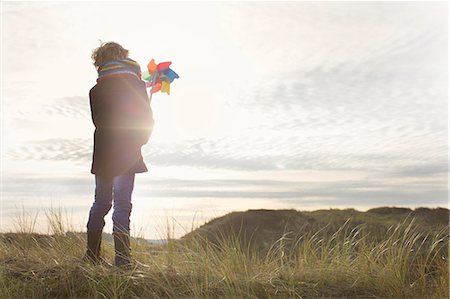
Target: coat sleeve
{"type": "Point", "coordinates": [95, 112]}
{"type": "Point", "coordinates": [147, 122]}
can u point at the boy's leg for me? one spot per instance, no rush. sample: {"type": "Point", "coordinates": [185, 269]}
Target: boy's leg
{"type": "Point", "coordinates": [123, 188]}
{"type": "Point", "coordinates": [96, 222]}
{"type": "Point", "coordinates": [102, 203]}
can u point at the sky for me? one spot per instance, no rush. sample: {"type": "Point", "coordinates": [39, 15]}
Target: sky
{"type": "Point", "coordinates": [279, 105]}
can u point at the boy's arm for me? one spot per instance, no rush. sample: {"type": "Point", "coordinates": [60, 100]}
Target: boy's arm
{"type": "Point", "coordinates": [94, 113]}
{"type": "Point", "coordinates": [98, 115]}
{"type": "Point", "coordinates": [142, 118]}
{"type": "Point", "coordinates": [147, 121]}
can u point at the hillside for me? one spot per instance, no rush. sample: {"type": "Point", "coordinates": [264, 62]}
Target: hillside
{"type": "Point", "coordinates": [261, 228]}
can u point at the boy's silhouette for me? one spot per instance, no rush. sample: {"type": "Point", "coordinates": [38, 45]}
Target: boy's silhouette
{"type": "Point", "coordinates": [123, 119]}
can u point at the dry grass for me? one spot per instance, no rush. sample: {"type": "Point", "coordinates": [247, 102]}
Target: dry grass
{"type": "Point", "coordinates": [407, 263]}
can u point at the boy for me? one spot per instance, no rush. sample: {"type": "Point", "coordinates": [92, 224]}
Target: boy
{"type": "Point", "coordinates": [123, 120]}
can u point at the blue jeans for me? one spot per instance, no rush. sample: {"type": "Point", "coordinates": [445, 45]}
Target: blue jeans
{"type": "Point", "coordinates": [118, 188]}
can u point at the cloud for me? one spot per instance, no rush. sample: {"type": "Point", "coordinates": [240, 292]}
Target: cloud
{"type": "Point", "coordinates": [273, 154]}
{"type": "Point", "coordinates": [76, 150]}
{"type": "Point", "coordinates": [300, 193]}
{"type": "Point", "coordinates": [18, 6]}
{"type": "Point", "coordinates": [421, 169]}
{"type": "Point", "coordinates": [75, 107]}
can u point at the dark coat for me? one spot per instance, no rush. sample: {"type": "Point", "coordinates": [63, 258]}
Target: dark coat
{"type": "Point", "coordinates": [123, 120]}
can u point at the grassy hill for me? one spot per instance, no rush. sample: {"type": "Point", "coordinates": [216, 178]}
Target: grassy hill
{"type": "Point", "coordinates": [261, 228]}
{"type": "Point", "coordinates": [381, 253]}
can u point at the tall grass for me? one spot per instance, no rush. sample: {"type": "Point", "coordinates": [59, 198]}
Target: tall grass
{"type": "Point", "coordinates": [406, 263]}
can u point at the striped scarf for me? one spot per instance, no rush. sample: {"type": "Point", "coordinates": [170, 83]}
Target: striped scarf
{"type": "Point", "coordinates": [119, 67]}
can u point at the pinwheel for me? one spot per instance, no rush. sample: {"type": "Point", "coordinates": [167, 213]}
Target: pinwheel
{"type": "Point", "coordinates": [159, 76]}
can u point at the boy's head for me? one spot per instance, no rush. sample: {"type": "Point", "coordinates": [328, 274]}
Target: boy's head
{"type": "Point", "coordinates": [107, 52]}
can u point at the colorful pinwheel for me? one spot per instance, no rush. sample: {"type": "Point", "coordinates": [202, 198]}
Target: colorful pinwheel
{"type": "Point", "coordinates": [159, 76]}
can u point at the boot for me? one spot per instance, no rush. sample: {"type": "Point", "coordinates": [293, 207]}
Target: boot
{"type": "Point", "coordinates": [123, 250]}
{"type": "Point", "coordinates": [94, 241]}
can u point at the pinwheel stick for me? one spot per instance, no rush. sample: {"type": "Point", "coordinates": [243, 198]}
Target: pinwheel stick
{"type": "Point", "coordinates": [154, 78]}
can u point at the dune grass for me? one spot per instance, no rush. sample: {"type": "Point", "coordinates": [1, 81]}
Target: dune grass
{"type": "Point", "coordinates": [406, 263]}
